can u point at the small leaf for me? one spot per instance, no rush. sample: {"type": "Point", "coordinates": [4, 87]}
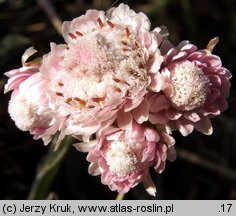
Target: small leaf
{"type": "Point", "coordinates": [48, 168]}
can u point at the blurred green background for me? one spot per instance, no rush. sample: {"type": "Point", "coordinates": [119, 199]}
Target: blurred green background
{"type": "Point", "coordinates": [206, 166]}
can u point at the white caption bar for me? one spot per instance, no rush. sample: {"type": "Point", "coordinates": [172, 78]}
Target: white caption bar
{"type": "Point", "coordinates": [112, 207]}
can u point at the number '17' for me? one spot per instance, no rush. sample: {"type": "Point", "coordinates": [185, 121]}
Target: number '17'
{"type": "Point", "coordinates": [226, 207]}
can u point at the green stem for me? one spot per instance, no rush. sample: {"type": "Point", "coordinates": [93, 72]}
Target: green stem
{"type": "Point", "coordinates": [48, 169]}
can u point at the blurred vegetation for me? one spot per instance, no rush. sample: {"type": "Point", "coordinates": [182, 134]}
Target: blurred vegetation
{"type": "Point", "coordinates": [24, 23]}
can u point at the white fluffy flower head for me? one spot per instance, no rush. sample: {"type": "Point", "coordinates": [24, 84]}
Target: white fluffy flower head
{"type": "Point", "coordinates": [190, 86]}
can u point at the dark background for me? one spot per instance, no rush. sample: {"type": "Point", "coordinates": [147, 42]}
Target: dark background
{"type": "Point", "coordinates": [206, 166]}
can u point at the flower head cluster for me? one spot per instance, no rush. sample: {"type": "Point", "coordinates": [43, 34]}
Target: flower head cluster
{"type": "Point", "coordinates": [123, 84]}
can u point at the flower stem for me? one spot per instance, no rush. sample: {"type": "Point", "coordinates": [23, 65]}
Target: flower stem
{"type": "Point", "coordinates": [52, 14]}
{"type": "Point", "coordinates": [48, 168]}
{"type": "Point", "coordinates": [120, 196]}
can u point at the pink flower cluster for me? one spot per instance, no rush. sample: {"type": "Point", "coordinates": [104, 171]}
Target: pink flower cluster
{"type": "Point", "coordinates": [121, 89]}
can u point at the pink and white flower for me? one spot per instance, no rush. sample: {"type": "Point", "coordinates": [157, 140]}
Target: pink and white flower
{"type": "Point", "coordinates": [123, 157]}
{"type": "Point", "coordinates": [194, 88]}
{"type": "Point", "coordinates": [129, 86]}
{"type": "Point", "coordinates": [28, 106]}
{"type": "Point", "coordinates": [104, 67]}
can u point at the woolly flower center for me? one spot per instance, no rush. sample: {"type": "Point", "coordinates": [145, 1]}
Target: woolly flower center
{"type": "Point", "coordinates": [122, 158]}
{"type": "Point", "coordinates": [107, 57]}
{"type": "Point", "coordinates": [24, 113]}
{"type": "Point", "coordinates": [190, 86]}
